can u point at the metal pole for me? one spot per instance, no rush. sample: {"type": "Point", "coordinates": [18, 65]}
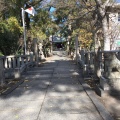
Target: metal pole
{"type": "Point", "coordinates": [23, 21]}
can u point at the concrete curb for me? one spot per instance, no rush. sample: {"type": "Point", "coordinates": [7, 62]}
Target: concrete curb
{"type": "Point", "coordinates": [99, 106]}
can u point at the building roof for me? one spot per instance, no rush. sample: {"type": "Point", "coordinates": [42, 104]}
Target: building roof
{"type": "Point", "coordinates": [58, 39]}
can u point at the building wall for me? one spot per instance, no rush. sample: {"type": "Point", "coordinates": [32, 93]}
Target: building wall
{"type": "Point", "coordinates": [114, 29]}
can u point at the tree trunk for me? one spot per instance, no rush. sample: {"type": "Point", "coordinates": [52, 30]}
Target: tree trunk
{"type": "Point", "coordinates": [101, 8]}
{"type": "Point", "coordinates": [106, 34]}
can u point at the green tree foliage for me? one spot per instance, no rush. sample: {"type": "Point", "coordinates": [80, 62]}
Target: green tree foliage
{"type": "Point", "coordinates": [42, 25]}
{"type": "Point", "coordinates": [10, 31]}
{"type": "Point", "coordinates": [85, 39]}
{"type": "Point", "coordinates": [76, 19]}
{"type": "Point", "coordinates": [10, 22]}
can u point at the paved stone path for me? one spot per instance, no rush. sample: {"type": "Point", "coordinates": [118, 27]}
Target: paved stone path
{"type": "Point", "coordinates": [50, 92]}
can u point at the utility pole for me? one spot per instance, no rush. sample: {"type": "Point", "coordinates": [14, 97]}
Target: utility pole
{"type": "Point", "coordinates": [24, 31]}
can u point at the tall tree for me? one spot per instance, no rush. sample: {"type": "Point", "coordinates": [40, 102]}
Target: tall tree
{"type": "Point", "coordinates": [75, 15]}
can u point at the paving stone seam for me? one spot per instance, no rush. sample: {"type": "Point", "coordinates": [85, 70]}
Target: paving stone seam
{"type": "Point", "coordinates": [74, 113]}
{"type": "Point", "coordinates": [99, 106]}
{"type": "Point", "coordinates": [45, 94]}
{"type": "Point", "coordinates": [42, 103]}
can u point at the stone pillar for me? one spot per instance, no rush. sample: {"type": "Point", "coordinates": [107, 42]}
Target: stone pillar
{"type": "Point", "coordinates": [2, 74]}
{"type": "Point", "coordinates": [91, 58]}
{"type": "Point", "coordinates": [6, 62]}
{"type": "Point", "coordinates": [35, 50]}
{"type": "Point", "coordinates": [9, 62]}
{"type": "Point", "coordinates": [86, 58]}
{"type": "Point", "coordinates": [82, 56]}
{"type": "Point", "coordinates": [17, 73]}
{"type": "Point", "coordinates": [51, 48]}
{"type": "Point", "coordinates": [88, 61]}
{"type": "Point", "coordinates": [100, 62]}
{"type": "Point", "coordinates": [68, 45]}
{"type": "Point", "coordinates": [22, 61]}
{"type": "Point", "coordinates": [31, 57]}
{"type": "Point", "coordinates": [26, 59]}
{"type": "Point", "coordinates": [41, 52]}
{"type": "Point", "coordinates": [50, 40]}
{"type": "Point", "coordinates": [91, 63]}
{"type": "Point", "coordinates": [18, 62]}
{"type": "Point", "coordinates": [14, 62]}
{"type": "Point", "coordinates": [76, 48]}
{"type": "Point", "coordinates": [29, 45]}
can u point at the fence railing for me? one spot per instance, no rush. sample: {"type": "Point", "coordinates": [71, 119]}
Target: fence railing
{"type": "Point", "coordinates": [13, 66]}
{"type": "Point", "coordinates": [103, 66]}
{"type": "Point", "coordinates": [88, 58]}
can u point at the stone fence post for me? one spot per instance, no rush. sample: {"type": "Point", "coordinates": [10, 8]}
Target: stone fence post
{"type": "Point", "coordinates": [2, 76]}
{"type": "Point", "coordinates": [87, 58]}
{"type": "Point", "coordinates": [35, 50]}
{"type": "Point", "coordinates": [101, 63]}
{"type": "Point", "coordinates": [76, 48]}
{"type": "Point", "coordinates": [82, 57]}
{"type": "Point", "coordinates": [91, 59]}
{"type": "Point", "coordinates": [41, 54]}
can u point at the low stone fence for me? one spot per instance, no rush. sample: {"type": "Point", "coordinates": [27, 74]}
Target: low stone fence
{"type": "Point", "coordinates": [86, 61]}
{"type": "Point", "coordinates": [104, 65]}
{"type": "Point", "coordinates": [13, 66]}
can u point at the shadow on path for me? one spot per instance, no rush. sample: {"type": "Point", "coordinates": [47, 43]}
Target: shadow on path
{"type": "Point", "coordinates": [49, 92]}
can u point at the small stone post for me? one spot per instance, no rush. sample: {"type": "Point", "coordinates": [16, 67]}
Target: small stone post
{"type": "Point", "coordinates": [100, 64]}
{"type": "Point", "coordinates": [14, 62]}
{"type": "Point", "coordinates": [91, 58]}
{"type": "Point", "coordinates": [76, 48]}
{"type": "Point", "coordinates": [83, 56]}
{"type": "Point", "coordinates": [35, 50]}
{"type": "Point", "coordinates": [50, 40]}
{"type": "Point", "coordinates": [41, 52]}
{"type": "Point", "coordinates": [51, 48]}
{"type": "Point", "coordinates": [18, 62]}
{"type": "Point", "coordinates": [17, 73]}
{"type": "Point", "coordinates": [2, 76]}
{"type": "Point", "coordinates": [87, 58]}
{"type": "Point", "coordinates": [68, 48]}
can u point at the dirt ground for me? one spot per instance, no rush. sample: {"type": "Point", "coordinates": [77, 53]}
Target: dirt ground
{"type": "Point", "coordinates": [112, 103]}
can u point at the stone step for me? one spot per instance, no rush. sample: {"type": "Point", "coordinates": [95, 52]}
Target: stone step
{"type": "Point", "coordinates": [43, 76]}
{"type": "Point", "coordinates": [40, 72]}
{"type": "Point", "coordinates": [73, 75]}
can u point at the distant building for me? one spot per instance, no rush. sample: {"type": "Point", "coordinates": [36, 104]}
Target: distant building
{"type": "Point", "coordinates": [59, 42]}
{"type": "Point", "coordinates": [58, 39]}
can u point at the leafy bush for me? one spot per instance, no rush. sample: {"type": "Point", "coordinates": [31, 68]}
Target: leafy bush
{"type": "Point", "coordinates": [1, 54]}
{"type": "Point", "coordinates": [10, 31]}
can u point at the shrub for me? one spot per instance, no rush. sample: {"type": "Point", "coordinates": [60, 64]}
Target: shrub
{"type": "Point", "coordinates": [10, 31]}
